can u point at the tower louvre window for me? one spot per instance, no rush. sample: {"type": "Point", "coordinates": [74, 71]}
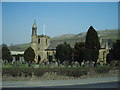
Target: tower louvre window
{"type": "Point", "coordinates": [39, 40]}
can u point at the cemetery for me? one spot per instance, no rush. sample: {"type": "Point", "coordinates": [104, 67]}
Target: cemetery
{"type": "Point", "coordinates": [85, 59]}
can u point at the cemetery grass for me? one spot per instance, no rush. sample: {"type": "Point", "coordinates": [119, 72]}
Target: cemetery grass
{"type": "Point", "coordinates": [23, 73]}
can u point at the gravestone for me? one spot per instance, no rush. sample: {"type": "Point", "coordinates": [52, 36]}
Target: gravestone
{"type": "Point", "coordinates": [41, 64]}
{"type": "Point", "coordinates": [61, 66]}
{"type": "Point", "coordinates": [87, 64]}
{"type": "Point", "coordinates": [36, 66]}
{"type": "Point", "coordinates": [56, 64]}
{"type": "Point", "coordinates": [47, 62]}
{"type": "Point", "coordinates": [65, 63]}
{"type": "Point", "coordinates": [77, 64]}
{"type": "Point", "coordinates": [73, 64]}
{"type": "Point", "coordinates": [13, 61]}
{"type": "Point", "coordinates": [82, 63]}
{"type": "Point", "coordinates": [51, 65]}
{"type": "Point", "coordinates": [101, 63]}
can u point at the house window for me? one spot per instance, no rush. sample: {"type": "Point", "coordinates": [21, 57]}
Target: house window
{"type": "Point", "coordinates": [39, 40]}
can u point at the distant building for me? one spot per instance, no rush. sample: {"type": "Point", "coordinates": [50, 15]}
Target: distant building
{"type": "Point", "coordinates": [15, 53]}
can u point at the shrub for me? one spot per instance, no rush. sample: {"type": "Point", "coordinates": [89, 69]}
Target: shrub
{"type": "Point", "coordinates": [71, 71]}
{"type": "Point", "coordinates": [102, 69]}
{"type": "Point", "coordinates": [115, 63]}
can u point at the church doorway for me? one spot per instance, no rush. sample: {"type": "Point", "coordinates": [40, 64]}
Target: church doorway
{"type": "Point", "coordinates": [39, 59]}
{"type": "Point", "coordinates": [50, 58]}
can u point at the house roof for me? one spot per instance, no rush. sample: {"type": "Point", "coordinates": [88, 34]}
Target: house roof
{"type": "Point", "coordinates": [16, 52]}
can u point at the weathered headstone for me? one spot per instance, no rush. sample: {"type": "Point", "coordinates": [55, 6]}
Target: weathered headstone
{"type": "Point", "coordinates": [73, 64]}
{"type": "Point", "coordinates": [82, 63]}
{"type": "Point", "coordinates": [47, 62]}
{"type": "Point", "coordinates": [36, 66]}
{"type": "Point", "coordinates": [77, 64]}
{"type": "Point", "coordinates": [56, 64]}
{"type": "Point", "coordinates": [13, 61]}
{"type": "Point", "coordinates": [51, 65]}
{"type": "Point", "coordinates": [101, 63]}
{"type": "Point", "coordinates": [65, 63]}
{"type": "Point", "coordinates": [41, 64]}
{"type": "Point", "coordinates": [61, 65]}
{"type": "Point", "coordinates": [87, 64]}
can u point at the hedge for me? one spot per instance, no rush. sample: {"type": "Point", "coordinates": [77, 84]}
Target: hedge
{"type": "Point", "coordinates": [74, 72]}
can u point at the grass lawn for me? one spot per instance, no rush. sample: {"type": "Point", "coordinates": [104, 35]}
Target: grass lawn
{"type": "Point", "coordinates": [9, 65]}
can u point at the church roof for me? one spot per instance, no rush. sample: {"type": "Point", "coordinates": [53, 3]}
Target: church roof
{"type": "Point", "coordinates": [106, 41]}
{"type": "Point", "coordinates": [72, 43]}
{"type": "Point", "coordinates": [54, 43]}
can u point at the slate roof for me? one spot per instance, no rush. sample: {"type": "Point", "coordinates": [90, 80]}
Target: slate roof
{"type": "Point", "coordinates": [54, 43]}
{"type": "Point", "coordinates": [108, 41]}
{"type": "Point", "coordinates": [72, 42]}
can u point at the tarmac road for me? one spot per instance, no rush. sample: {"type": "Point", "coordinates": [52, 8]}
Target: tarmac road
{"type": "Point", "coordinates": [93, 85]}
{"type": "Point", "coordinates": [109, 82]}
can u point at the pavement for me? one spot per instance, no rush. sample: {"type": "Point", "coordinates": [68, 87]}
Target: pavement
{"type": "Point", "coordinates": [61, 83]}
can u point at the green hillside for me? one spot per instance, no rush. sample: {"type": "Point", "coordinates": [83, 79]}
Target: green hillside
{"type": "Point", "coordinates": [19, 47]}
{"type": "Point", "coordinates": [63, 37]}
{"type": "Point", "coordinates": [72, 38]}
{"type": "Point", "coordinates": [108, 34]}
{"type": "Point", "coordinates": [105, 34]}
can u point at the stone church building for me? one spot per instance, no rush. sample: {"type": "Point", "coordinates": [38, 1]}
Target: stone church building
{"type": "Point", "coordinates": [40, 43]}
{"type": "Point", "coordinates": [45, 48]}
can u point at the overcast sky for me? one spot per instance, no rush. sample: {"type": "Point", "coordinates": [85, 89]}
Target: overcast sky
{"type": "Point", "coordinates": [59, 18]}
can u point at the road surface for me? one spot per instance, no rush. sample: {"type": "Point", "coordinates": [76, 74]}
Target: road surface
{"type": "Point", "coordinates": [93, 85]}
{"type": "Point", "coordinates": [109, 82]}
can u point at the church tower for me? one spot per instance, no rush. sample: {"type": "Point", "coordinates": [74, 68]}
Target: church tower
{"type": "Point", "coordinates": [43, 42]}
{"type": "Point", "coordinates": [34, 37]}
{"type": "Point", "coordinates": [34, 32]}
{"type": "Point", "coordinates": [39, 43]}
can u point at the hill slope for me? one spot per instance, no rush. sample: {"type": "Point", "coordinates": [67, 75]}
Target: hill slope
{"type": "Point", "coordinates": [107, 35]}
{"type": "Point", "coordinates": [19, 47]}
{"type": "Point", "coordinates": [63, 37]}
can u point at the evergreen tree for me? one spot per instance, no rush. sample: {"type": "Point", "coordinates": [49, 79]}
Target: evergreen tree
{"type": "Point", "coordinates": [92, 44]}
{"type": "Point", "coordinates": [92, 40]}
{"type": "Point", "coordinates": [6, 55]}
{"type": "Point", "coordinates": [29, 55]}
{"type": "Point", "coordinates": [64, 52]}
{"type": "Point", "coordinates": [116, 50]}
{"type": "Point", "coordinates": [109, 57]}
{"type": "Point", "coordinates": [59, 53]}
{"type": "Point", "coordinates": [79, 52]}
{"type": "Point", "coordinates": [114, 53]}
